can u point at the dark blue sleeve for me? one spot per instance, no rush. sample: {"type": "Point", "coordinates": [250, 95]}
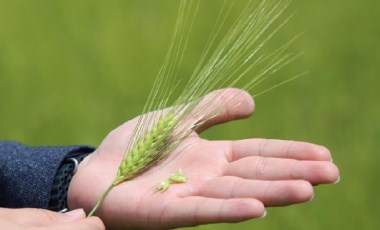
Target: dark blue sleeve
{"type": "Point", "coordinates": [27, 173]}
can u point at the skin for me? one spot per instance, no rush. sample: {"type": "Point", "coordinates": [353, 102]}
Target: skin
{"type": "Point", "coordinates": [39, 219]}
{"type": "Point", "coordinates": [228, 181]}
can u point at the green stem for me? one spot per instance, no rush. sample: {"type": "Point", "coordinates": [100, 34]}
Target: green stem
{"type": "Point", "coordinates": [101, 199]}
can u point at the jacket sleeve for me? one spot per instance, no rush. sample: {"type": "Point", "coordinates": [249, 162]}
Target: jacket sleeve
{"type": "Point", "coordinates": [27, 173]}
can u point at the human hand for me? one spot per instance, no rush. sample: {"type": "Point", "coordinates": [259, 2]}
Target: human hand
{"type": "Point", "coordinates": [39, 219]}
{"type": "Point", "coordinates": [228, 181]}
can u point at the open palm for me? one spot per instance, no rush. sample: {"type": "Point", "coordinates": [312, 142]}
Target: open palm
{"type": "Point", "coordinates": [228, 181]}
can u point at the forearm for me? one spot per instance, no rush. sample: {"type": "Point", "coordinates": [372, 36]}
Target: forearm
{"type": "Point", "coordinates": [27, 173]}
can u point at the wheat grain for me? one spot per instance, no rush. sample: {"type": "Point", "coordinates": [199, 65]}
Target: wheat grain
{"type": "Point", "coordinates": [177, 177]}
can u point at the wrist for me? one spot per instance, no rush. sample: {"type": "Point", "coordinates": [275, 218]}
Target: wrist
{"type": "Point", "coordinates": [66, 171]}
{"type": "Point", "coordinates": [75, 188]}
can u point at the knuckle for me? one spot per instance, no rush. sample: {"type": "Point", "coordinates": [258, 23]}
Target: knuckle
{"type": "Point", "coordinates": [302, 192]}
{"type": "Point", "coordinates": [96, 223]}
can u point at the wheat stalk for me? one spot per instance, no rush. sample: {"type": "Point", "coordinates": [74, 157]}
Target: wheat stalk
{"type": "Point", "coordinates": [221, 64]}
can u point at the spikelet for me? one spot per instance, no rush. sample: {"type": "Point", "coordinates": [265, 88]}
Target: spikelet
{"type": "Point", "coordinates": [177, 177]}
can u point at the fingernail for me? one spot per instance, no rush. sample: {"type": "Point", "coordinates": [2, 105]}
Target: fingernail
{"type": "Point", "coordinates": [76, 214]}
{"type": "Point", "coordinates": [331, 160]}
{"type": "Point", "coordinates": [264, 215]}
{"type": "Point", "coordinates": [311, 198]}
{"type": "Point", "coordinates": [337, 181]}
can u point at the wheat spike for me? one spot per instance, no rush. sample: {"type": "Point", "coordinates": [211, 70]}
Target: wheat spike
{"type": "Point", "coordinates": [148, 149]}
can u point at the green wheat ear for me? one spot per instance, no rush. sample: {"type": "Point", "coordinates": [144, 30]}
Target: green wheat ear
{"type": "Point", "coordinates": [147, 150]}
{"type": "Point", "coordinates": [144, 153]}
{"type": "Point", "coordinates": [222, 64]}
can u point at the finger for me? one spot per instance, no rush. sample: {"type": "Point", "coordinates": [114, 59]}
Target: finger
{"type": "Point", "coordinates": [271, 193]}
{"type": "Point", "coordinates": [278, 148]}
{"type": "Point", "coordinates": [265, 168]}
{"type": "Point", "coordinates": [191, 211]}
{"type": "Point", "coordinates": [231, 104]}
{"type": "Point", "coordinates": [91, 223]}
{"type": "Point", "coordinates": [40, 217]}
{"type": "Point", "coordinates": [5, 224]}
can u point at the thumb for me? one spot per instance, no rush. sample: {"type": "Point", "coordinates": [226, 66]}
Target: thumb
{"type": "Point", "coordinates": [232, 103]}
{"type": "Point", "coordinates": [91, 223]}
{"type": "Point", "coordinates": [40, 217]}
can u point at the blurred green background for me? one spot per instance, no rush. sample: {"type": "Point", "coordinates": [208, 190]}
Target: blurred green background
{"type": "Point", "coordinates": [71, 71]}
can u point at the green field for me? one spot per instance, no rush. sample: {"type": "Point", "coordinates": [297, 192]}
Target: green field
{"type": "Point", "coordinates": [71, 71]}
